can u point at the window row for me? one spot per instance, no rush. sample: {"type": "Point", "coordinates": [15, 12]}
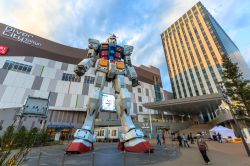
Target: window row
{"type": "Point", "coordinates": [19, 67]}
{"type": "Point", "coordinates": [89, 80]}
{"type": "Point", "coordinates": [70, 77]}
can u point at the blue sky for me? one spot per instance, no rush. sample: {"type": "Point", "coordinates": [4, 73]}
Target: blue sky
{"type": "Point", "coordinates": [135, 22]}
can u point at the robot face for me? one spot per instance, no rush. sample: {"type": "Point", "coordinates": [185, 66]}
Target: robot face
{"type": "Point", "coordinates": [112, 40]}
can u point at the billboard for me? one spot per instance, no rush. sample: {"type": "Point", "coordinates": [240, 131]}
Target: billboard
{"type": "Point", "coordinates": [108, 102]}
{"type": "Point", "coordinates": [35, 107]}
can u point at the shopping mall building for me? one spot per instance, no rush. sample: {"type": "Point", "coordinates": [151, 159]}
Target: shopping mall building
{"type": "Point", "coordinates": [36, 67]}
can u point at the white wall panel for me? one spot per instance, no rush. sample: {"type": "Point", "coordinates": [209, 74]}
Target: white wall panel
{"type": "Point", "coordinates": [75, 88]}
{"type": "Point", "coordinates": [71, 67]}
{"type": "Point", "coordinates": [28, 81]}
{"type": "Point", "coordinates": [19, 79]}
{"type": "Point", "coordinates": [9, 92]}
{"type": "Point", "coordinates": [58, 65]}
{"type": "Point", "coordinates": [45, 84]}
{"type": "Point", "coordinates": [48, 72]}
{"type": "Point", "coordinates": [10, 78]}
{"type": "Point", "coordinates": [59, 100]}
{"type": "Point", "coordinates": [73, 101]}
{"type": "Point", "coordinates": [62, 86]}
{"type": "Point", "coordinates": [2, 61]}
{"type": "Point", "coordinates": [18, 96]}
{"type": "Point", "coordinates": [40, 61]}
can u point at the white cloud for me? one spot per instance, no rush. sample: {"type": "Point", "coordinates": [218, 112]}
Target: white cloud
{"type": "Point", "coordinates": [72, 22]}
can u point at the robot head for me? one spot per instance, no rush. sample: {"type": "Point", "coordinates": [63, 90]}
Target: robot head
{"type": "Point", "coordinates": [112, 39]}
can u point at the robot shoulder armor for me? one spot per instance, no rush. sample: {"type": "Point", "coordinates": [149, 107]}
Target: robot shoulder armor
{"type": "Point", "coordinates": [93, 44]}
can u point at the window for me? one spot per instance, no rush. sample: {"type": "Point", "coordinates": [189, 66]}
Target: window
{"type": "Point", "coordinates": [147, 92]}
{"type": "Point", "coordinates": [113, 133]}
{"type": "Point", "coordinates": [19, 67]}
{"type": "Point", "coordinates": [140, 109]}
{"type": "Point", "coordinates": [139, 90]}
{"type": "Point", "coordinates": [70, 77]}
{"type": "Point", "coordinates": [139, 99]}
{"type": "Point", "coordinates": [89, 80]}
{"type": "Point", "coordinates": [100, 133]}
{"type": "Point", "coordinates": [1, 123]}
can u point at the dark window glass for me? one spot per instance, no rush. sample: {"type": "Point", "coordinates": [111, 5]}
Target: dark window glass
{"type": "Point", "coordinates": [140, 109]}
{"type": "Point", "coordinates": [139, 98]}
{"type": "Point", "coordinates": [11, 65]}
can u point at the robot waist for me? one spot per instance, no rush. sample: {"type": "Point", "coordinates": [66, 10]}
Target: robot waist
{"type": "Point", "coordinates": [110, 66]}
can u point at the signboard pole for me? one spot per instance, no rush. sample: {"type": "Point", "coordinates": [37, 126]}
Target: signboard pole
{"type": "Point", "coordinates": [150, 122]}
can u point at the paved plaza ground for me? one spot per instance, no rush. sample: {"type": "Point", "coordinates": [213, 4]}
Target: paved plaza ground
{"type": "Point", "coordinates": [106, 154]}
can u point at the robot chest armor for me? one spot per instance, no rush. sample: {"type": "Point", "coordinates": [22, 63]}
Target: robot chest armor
{"type": "Point", "coordinates": [110, 52]}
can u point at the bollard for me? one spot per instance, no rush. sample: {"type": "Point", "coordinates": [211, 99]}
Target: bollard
{"type": "Point", "coordinates": [124, 158]}
{"type": "Point", "coordinates": [93, 158]}
{"type": "Point", "coordinates": [63, 159]}
{"type": "Point", "coordinates": [149, 156]}
{"type": "Point", "coordinates": [39, 157]}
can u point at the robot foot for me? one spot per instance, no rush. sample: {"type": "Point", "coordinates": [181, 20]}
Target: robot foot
{"type": "Point", "coordinates": [79, 146]}
{"type": "Point", "coordinates": [138, 145]}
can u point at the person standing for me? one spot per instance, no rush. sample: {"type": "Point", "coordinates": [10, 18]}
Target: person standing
{"type": "Point", "coordinates": [191, 138]}
{"type": "Point", "coordinates": [202, 145]}
{"type": "Point", "coordinates": [158, 139]}
{"type": "Point", "coordinates": [163, 137]}
{"type": "Point", "coordinates": [219, 137]}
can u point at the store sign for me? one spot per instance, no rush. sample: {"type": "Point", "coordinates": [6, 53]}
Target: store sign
{"type": "Point", "coordinates": [20, 36]}
{"type": "Point", "coordinates": [3, 50]}
{"type": "Point", "coordinates": [145, 126]}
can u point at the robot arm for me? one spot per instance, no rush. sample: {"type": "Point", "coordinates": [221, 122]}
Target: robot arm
{"type": "Point", "coordinates": [87, 63]}
{"type": "Point", "coordinates": [132, 75]}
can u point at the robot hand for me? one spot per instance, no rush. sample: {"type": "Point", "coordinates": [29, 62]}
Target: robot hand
{"type": "Point", "coordinates": [135, 82]}
{"type": "Point", "coordinates": [84, 66]}
{"type": "Point", "coordinates": [80, 70]}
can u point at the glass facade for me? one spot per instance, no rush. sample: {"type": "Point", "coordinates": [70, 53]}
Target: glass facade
{"type": "Point", "coordinates": [194, 46]}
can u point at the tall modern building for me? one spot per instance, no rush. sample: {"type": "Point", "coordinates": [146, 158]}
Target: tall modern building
{"type": "Point", "coordinates": [193, 47]}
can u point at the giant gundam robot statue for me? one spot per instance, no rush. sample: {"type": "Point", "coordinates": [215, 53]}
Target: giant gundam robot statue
{"type": "Point", "coordinates": [112, 63]}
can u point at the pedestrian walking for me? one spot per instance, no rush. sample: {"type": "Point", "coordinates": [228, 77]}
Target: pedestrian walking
{"type": "Point", "coordinates": [158, 139]}
{"type": "Point", "coordinates": [185, 141]}
{"type": "Point", "coordinates": [179, 138]}
{"type": "Point", "coordinates": [202, 145]}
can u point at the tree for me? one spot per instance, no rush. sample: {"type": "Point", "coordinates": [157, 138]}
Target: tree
{"type": "Point", "coordinates": [238, 88]}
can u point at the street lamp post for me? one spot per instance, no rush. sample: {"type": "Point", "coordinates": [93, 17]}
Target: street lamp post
{"type": "Point", "coordinates": [229, 102]}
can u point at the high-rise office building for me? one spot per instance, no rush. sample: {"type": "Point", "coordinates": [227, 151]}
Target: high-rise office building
{"type": "Point", "coordinates": [193, 47]}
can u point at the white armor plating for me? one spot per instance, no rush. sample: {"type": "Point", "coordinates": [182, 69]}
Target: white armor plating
{"type": "Point", "coordinates": [109, 70]}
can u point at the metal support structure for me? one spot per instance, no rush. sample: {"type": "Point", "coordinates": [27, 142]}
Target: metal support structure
{"type": "Point", "coordinates": [150, 123]}
{"type": "Point", "coordinates": [229, 102]}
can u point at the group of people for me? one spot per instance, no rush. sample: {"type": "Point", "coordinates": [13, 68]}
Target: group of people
{"type": "Point", "coordinates": [217, 137]}
{"type": "Point", "coordinates": [201, 143]}
{"type": "Point", "coordinates": [184, 140]}
{"type": "Point", "coordinates": [158, 138]}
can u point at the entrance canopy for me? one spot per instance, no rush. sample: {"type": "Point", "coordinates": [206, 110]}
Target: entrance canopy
{"type": "Point", "coordinates": [224, 132]}
{"type": "Point", "coordinates": [189, 105]}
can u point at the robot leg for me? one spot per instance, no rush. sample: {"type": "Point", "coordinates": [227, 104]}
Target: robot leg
{"type": "Point", "coordinates": [132, 138]}
{"type": "Point", "coordinates": [84, 137]}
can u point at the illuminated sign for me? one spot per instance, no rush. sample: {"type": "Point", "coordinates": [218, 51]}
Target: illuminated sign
{"type": "Point", "coordinates": [3, 50]}
{"type": "Point", "coordinates": [20, 36]}
{"type": "Point", "coordinates": [108, 102]}
{"type": "Point", "coordinates": [35, 107]}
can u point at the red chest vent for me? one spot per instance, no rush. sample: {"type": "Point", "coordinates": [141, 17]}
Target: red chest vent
{"type": "Point", "coordinates": [118, 55]}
